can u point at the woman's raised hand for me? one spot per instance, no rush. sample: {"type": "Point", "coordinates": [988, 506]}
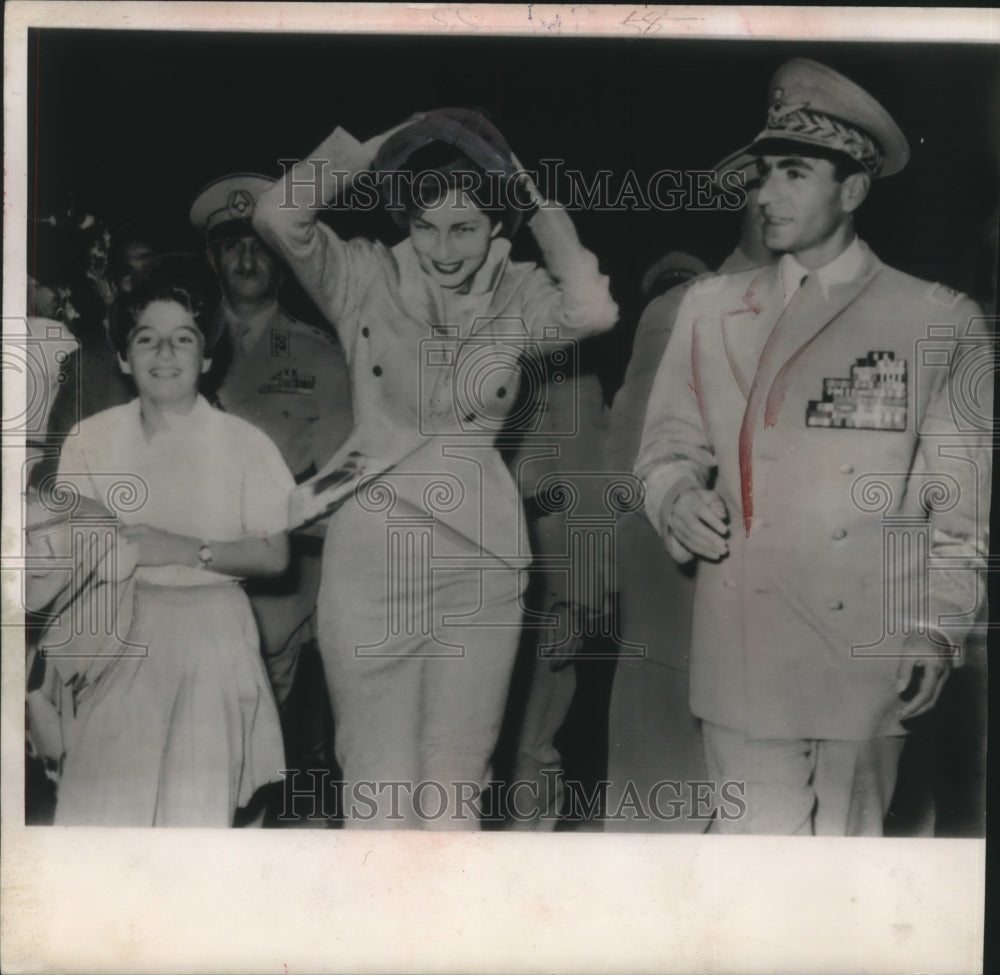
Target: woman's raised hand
{"type": "Point", "coordinates": [524, 180]}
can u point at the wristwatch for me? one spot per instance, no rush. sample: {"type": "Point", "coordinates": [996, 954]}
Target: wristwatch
{"type": "Point", "coordinates": [205, 555]}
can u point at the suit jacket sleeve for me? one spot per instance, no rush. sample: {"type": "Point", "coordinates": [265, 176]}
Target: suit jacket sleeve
{"type": "Point", "coordinates": [333, 402]}
{"type": "Point", "coordinates": [629, 410]}
{"type": "Point", "coordinates": [571, 293]}
{"type": "Point", "coordinates": [674, 453]}
{"type": "Point", "coordinates": [331, 270]}
{"type": "Point", "coordinates": [578, 465]}
{"type": "Point", "coordinates": [956, 441]}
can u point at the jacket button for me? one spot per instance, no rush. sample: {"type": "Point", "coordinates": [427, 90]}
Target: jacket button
{"type": "Point", "coordinates": [469, 417]}
{"type": "Point", "coordinates": [364, 331]}
{"type": "Point", "coordinates": [846, 468]}
{"type": "Point", "coordinates": [501, 392]}
{"type": "Point", "coordinates": [835, 604]}
{"type": "Point", "coordinates": [377, 370]}
{"type": "Point", "coordinates": [839, 534]}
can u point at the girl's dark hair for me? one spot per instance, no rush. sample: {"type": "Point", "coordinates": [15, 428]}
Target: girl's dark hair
{"type": "Point", "coordinates": [182, 278]}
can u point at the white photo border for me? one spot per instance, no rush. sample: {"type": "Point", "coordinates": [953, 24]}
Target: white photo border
{"type": "Point", "coordinates": [91, 900]}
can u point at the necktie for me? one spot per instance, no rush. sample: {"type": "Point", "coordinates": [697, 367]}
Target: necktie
{"type": "Point", "coordinates": [242, 339]}
{"type": "Point", "coordinates": [796, 289]}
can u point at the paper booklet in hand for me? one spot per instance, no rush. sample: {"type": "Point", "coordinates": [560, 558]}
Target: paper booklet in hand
{"type": "Point", "coordinates": [326, 491]}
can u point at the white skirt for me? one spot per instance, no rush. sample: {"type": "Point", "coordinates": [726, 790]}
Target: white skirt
{"type": "Point", "coordinates": [182, 732]}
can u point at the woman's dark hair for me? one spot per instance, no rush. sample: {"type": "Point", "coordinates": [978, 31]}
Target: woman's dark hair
{"type": "Point", "coordinates": [182, 278]}
{"type": "Point", "coordinates": [431, 172]}
{"type": "Point", "coordinates": [450, 148]}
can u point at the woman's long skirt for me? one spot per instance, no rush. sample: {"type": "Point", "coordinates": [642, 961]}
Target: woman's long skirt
{"type": "Point", "coordinates": [183, 729]}
{"type": "Point", "coordinates": [418, 647]}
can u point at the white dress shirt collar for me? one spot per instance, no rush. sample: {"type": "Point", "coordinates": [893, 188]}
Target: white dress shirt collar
{"type": "Point", "coordinates": [251, 327]}
{"type": "Point", "coordinates": [845, 267]}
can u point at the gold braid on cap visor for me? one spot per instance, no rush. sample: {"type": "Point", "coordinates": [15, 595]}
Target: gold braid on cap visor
{"type": "Point", "coordinates": [828, 131]}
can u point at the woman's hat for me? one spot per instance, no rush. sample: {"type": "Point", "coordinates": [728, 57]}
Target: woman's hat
{"type": "Point", "coordinates": [474, 139]}
{"type": "Point", "coordinates": [467, 130]}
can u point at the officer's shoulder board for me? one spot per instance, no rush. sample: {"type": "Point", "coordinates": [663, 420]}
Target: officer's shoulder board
{"type": "Point", "coordinates": [942, 295]}
{"type": "Point", "coordinates": [706, 284]}
{"type": "Point", "coordinates": [700, 289]}
{"type": "Point", "coordinates": [718, 288]}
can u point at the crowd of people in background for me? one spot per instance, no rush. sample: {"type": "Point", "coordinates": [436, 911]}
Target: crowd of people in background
{"type": "Point", "coordinates": [368, 563]}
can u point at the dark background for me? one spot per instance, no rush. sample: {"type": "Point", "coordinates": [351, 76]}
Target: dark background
{"type": "Point", "coordinates": [132, 124]}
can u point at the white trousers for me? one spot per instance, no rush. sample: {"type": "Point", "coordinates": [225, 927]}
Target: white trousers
{"type": "Point", "coordinates": [795, 787]}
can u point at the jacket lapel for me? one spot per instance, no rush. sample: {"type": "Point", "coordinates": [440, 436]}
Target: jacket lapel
{"type": "Point", "coordinates": [745, 328]}
{"type": "Point", "coordinates": [806, 321]}
{"type": "Point", "coordinates": [808, 314]}
{"type": "Point", "coordinates": [490, 323]}
{"type": "Point", "coordinates": [248, 372]}
{"type": "Point", "coordinates": [508, 287]}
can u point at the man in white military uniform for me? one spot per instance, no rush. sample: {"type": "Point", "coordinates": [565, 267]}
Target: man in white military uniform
{"type": "Point", "coordinates": [286, 378]}
{"type": "Point", "coordinates": [799, 443]}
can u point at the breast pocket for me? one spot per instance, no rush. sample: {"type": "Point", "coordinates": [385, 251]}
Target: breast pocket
{"type": "Point", "coordinates": [288, 419]}
{"type": "Point", "coordinates": [296, 408]}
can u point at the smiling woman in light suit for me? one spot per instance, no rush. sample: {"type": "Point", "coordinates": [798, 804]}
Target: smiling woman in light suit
{"type": "Point", "coordinates": [419, 608]}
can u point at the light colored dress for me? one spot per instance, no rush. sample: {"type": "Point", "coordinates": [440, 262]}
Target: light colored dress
{"type": "Point", "coordinates": [182, 728]}
{"type": "Point", "coordinates": [419, 610]}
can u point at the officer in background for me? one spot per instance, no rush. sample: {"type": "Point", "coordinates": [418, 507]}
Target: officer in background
{"type": "Point", "coordinates": [558, 469]}
{"type": "Point", "coordinates": [669, 272]}
{"type": "Point", "coordinates": [652, 735]}
{"type": "Point", "coordinates": [289, 380]}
